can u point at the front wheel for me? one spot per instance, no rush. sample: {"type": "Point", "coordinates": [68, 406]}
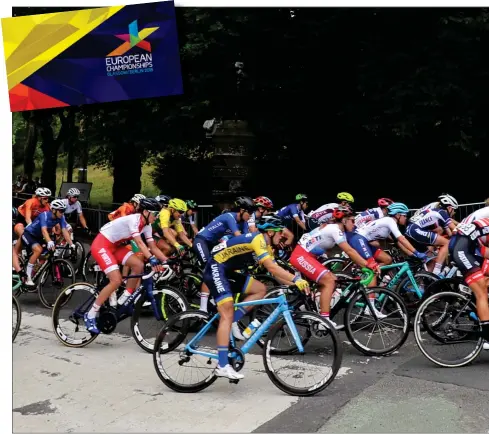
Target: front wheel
{"type": "Point", "coordinates": [383, 333]}
{"type": "Point", "coordinates": [59, 274]}
{"type": "Point", "coordinates": [168, 301]}
{"type": "Point", "coordinates": [16, 317]}
{"type": "Point", "coordinates": [321, 359]}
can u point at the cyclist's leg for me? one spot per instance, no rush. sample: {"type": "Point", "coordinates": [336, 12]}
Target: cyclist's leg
{"type": "Point", "coordinates": [220, 289]}
{"type": "Point", "coordinates": [35, 246]}
{"type": "Point", "coordinates": [164, 247]}
{"type": "Point", "coordinates": [201, 249]}
{"type": "Point", "coordinates": [136, 265]}
{"type": "Point", "coordinates": [20, 225]}
{"type": "Point", "coordinates": [16, 251]}
{"type": "Point", "coordinates": [252, 290]}
{"type": "Point", "coordinates": [442, 244]}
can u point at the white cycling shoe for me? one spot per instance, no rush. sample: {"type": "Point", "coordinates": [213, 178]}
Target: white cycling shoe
{"type": "Point", "coordinates": [485, 346]}
{"type": "Point", "coordinates": [378, 314]}
{"type": "Point", "coordinates": [237, 332]}
{"type": "Point", "coordinates": [29, 282]}
{"type": "Point", "coordinates": [228, 372]}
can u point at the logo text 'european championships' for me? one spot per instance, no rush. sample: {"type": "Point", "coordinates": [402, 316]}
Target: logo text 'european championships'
{"type": "Point", "coordinates": [118, 63]}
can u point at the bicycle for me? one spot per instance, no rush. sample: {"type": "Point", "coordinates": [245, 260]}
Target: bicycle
{"type": "Point", "coordinates": [355, 301]}
{"type": "Point", "coordinates": [274, 323]}
{"type": "Point", "coordinates": [60, 271]}
{"type": "Point", "coordinates": [16, 310]}
{"type": "Point", "coordinates": [164, 301]}
{"type": "Point", "coordinates": [449, 319]}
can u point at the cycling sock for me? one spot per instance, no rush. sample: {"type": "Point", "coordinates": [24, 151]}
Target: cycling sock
{"type": "Point", "coordinates": [325, 314]}
{"type": "Point", "coordinates": [437, 269]}
{"type": "Point", "coordinates": [239, 313]}
{"type": "Point", "coordinates": [92, 313]}
{"type": "Point", "coordinates": [29, 269]}
{"type": "Point", "coordinates": [204, 298]}
{"type": "Point", "coordinates": [222, 352]}
{"type": "Point", "coordinates": [485, 330]}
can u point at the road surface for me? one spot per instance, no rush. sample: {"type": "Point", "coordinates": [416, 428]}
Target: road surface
{"type": "Point", "coordinates": [111, 386]}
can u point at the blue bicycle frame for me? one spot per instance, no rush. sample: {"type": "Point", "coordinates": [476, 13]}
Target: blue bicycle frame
{"type": "Point", "coordinates": [281, 309]}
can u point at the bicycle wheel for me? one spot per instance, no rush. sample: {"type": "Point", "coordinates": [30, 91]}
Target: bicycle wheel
{"type": "Point", "coordinates": [335, 264]}
{"type": "Point", "coordinates": [169, 302]}
{"type": "Point", "coordinates": [16, 317]}
{"type": "Point", "coordinates": [81, 296]}
{"type": "Point", "coordinates": [387, 334]}
{"type": "Point", "coordinates": [54, 278]}
{"type": "Point", "coordinates": [169, 353]}
{"type": "Point", "coordinates": [408, 293]}
{"type": "Point", "coordinates": [91, 271]}
{"type": "Point", "coordinates": [329, 352]}
{"type": "Point", "coordinates": [446, 320]}
{"type": "Point", "coordinates": [452, 284]}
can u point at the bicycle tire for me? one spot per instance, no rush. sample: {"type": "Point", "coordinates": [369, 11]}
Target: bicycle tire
{"type": "Point", "coordinates": [399, 289]}
{"type": "Point", "coordinates": [450, 284]}
{"type": "Point", "coordinates": [58, 261]}
{"type": "Point", "coordinates": [348, 324]}
{"type": "Point", "coordinates": [178, 387]}
{"type": "Point", "coordinates": [335, 264]}
{"type": "Point", "coordinates": [16, 306]}
{"type": "Point", "coordinates": [138, 308]}
{"type": "Point", "coordinates": [418, 321]}
{"type": "Point", "coordinates": [267, 351]}
{"type": "Point", "coordinates": [58, 305]}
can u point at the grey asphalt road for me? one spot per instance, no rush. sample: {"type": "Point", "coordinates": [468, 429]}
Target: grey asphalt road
{"type": "Point", "coordinates": [111, 386]}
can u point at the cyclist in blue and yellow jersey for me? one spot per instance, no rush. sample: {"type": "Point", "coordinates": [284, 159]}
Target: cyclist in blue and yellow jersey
{"type": "Point", "coordinates": [295, 212]}
{"type": "Point", "coordinates": [232, 255]}
{"type": "Point", "coordinates": [231, 223]}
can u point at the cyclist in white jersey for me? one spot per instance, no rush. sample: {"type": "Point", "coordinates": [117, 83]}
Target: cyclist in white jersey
{"type": "Point", "coordinates": [324, 214]}
{"type": "Point", "coordinates": [73, 205]}
{"type": "Point", "coordinates": [382, 229]}
{"type": "Point", "coordinates": [426, 229]}
{"type": "Point", "coordinates": [316, 243]}
{"type": "Point", "coordinates": [373, 213]}
{"type": "Point", "coordinates": [482, 213]}
{"type": "Point", "coordinates": [109, 251]}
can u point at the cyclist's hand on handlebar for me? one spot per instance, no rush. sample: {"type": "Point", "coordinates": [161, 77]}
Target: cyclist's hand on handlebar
{"type": "Point", "coordinates": [373, 265]}
{"type": "Point", "coordinates": [420, 255]}
{"type": "Point", "coordinates": [302, 284]}
{"type": "Point", "coordinates": [154, 263]}
{"type": "Point", "coordinates": [51, 245]}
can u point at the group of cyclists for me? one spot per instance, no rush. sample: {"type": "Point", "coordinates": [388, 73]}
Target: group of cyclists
{"type": "Point", "coordinates": [254, 231]}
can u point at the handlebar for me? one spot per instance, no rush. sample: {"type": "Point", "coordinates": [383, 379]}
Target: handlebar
{"type": "Point", "coordinates": [370, 276]}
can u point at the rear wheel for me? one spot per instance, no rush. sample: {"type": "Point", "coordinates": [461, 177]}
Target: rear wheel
{"type": "Point", "coordinates": [57, 275]}
{"type": "Point", "coordinates": [16, 317]}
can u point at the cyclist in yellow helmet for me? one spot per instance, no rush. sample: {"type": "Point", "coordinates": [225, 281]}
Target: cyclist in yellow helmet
{"type": "Point", "coordinates": [169, 226]}
{"type": "Point", "coordinates": [345, 199]}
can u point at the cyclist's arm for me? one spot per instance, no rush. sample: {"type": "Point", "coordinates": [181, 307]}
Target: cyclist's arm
{"type": "Point", "coordinates": [183, 236]}
{"type": "Point", "coordinates": [352, 254]}
{"type": "Point", "coordinates": [408, 247]}
{"type": "Point", "coordinates": [289, 237]}
{"type": "Point", "coordinates": [82, 220]}
{"type": "Point", "coordinates": [195, 229]}
{"type": "Point", "coordinates": [168, 234]}
{"type": "Point", "coordinates": [154, 249]}
{"type": "Point", "coordinates": [276, 271]}
{"type": "Point", "coordinates": [300, 222]}
{"type": "Point", "coordinates": [28, 213]}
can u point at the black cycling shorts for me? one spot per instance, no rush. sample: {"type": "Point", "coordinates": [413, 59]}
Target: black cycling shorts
{"type": "Point", "coordinates": [462, 250]}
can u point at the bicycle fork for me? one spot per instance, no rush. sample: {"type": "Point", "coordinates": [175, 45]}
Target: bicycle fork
{"type": "Point", "coordinates": [293, 329]}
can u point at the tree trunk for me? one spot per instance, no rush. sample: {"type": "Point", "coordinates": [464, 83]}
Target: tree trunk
{"type": "Point", "coordinates": [49, 148]}
{"type": "Point", "coordinates": [30, 145]}
{"type": "Point", "coordinates": [127, 172]}
{"type": "Point", "coordinates": [71, 162]}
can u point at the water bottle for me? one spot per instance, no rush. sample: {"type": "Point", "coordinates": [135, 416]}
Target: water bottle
{"type": "Point", "coordinates": [125, 295]}
{"type": "Point", "coordinates": [334, 299]}
{"type": "Point", "coordinates": [113, 299]}
{"type": "Point", "coordinates": [252, 326]}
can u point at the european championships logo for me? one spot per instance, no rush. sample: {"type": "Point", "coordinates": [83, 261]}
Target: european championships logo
{"type": "Point", "coordinates": [117, 63]}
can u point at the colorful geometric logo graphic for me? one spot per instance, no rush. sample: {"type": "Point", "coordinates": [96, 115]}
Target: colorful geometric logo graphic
{"type": "Point", "coordinates": [60, 59]}
{"type": "Point", "coordinates": [135, 38]}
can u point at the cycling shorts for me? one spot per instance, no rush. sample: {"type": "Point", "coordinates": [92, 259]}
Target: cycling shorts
{"type": "Point", "coordinates": [29, 241]}
{"type": "Point", "coordinates": [217, 277]}
{"type": "Point", "coordinates": [307, 264]}
{"type": "Point", "coordinates": [201, 248]}
{"type": "Point", "coordinates": [20, 219]}
{"type": "Point", "coordinates": [362, 246]}
{"type": "Point", "coordinates": [422, 237]}
{"type": "Point", "coordinates": [463, 253]}
{"type": "Point", "coordinates": [109, 255]}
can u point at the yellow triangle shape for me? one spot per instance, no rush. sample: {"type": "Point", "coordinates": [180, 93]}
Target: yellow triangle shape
{"type": "Point", "coordinates": [53, 34]}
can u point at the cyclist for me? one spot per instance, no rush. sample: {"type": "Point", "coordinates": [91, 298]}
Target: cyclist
{"type": "Point", "coordinates": [109, 251]}
{"type": "Point", "coordinates": [381, 229]}
{"type": "Point", "coordinates": [168, 227]}
{"type": "Point", "coordinates": [39, 230]}
{"type": "Point", "coordinates": [373, 213]}
{"type": "Point", "coordinates": [478, 214]}
{"type": "Point", "coordinates": [232, 223]}
{"type": "Point", "coordinates": [232, 255]}
{"type": "Point", "coordinates": [127, 208]}
{"type": "Point", "coordinates": [425, 228]}
{"type": "Point", "coordinates": [163, 199]}
{"type": "Point", "coordinates": [289, 214]}
{"type": "Point", "coordinates": [316, 243]}
{"type": "Point", "coordinates": [345, 199]}
{"type": "Point", "coordinates": [189, 216]}
{"type": "Point", "coordinates": [31, 209]}
{"type": "Point", "coordinates": [264, 206]}
{"type": "Point", "coordinates": [469, 248]}
{"type": "Point", "coordinates": [72, 206]}
{"type": "Point", "coordinates": [324, 214]}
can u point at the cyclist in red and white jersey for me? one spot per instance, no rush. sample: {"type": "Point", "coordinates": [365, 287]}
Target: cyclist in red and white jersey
{"type": "Point", "coordinates": [469, 248]}
{"type": "Point", "coordinates": [264, 206]}
{"type": "Point", "coordinates": [373, 213]}
{"type": "Point", "coordinates": [109, 251]}
{"type": "Point", "coordinates": [324, 214]}
{"type": "Point", "coordinates": [316, 243]}
{"type": "Point", "coordinates": [482, 213]}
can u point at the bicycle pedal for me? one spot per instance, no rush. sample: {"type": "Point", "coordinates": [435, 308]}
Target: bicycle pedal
{"type": "Point", "coordinates": [234, 381]}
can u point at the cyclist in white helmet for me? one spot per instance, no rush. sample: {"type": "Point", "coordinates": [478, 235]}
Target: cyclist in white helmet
{"type": "Point", "coordinates": [427, 226]}
{"type": "Point", "coordinates": [72, 206]}
{"type": "Point", "coordinates": [127, 208]}
{"type": "Point", "coordinates": [31, 209]}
